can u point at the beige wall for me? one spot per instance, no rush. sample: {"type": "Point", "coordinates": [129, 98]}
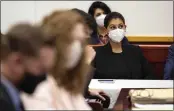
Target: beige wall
{"type": "Point", "coordinates": [143, 18]}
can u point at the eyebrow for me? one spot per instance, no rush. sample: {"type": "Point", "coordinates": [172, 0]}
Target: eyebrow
{"type": "Point", "coordinates": [98, 13]}
{"type": "Point", "coordinates": [111, 25]}
{"type": "Point", "coordinates": [118, 24]}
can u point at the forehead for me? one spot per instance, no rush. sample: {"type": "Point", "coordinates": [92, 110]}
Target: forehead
{"type": "Point", "coordinates": [99, 10]}
{"type": "Point", "coordinates": [116, 21]}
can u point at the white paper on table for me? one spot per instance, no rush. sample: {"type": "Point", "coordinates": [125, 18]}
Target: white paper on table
{"type": "Point", "coordinates": [116, 84]}
{"type": "Point", "coordinates": [113, 94]}
{"type": "Point", "coordinates": [107, 87]}
{"type": "Point", "coordinates": [113, 88]}
{"type": "Point", "coordinates": [154, 106]}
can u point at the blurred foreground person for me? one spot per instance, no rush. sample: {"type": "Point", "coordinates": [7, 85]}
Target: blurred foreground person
{"type": "Point", "coordinates": [63, 89]}
{"type": "Point", "coordinates": [19, 48]}
{"type": "Point", "coordinates": [90, 22]}
{"type": "Point", "coordinates": [169, 67]}
{"type": "Point", "coordinates": [47, 51]}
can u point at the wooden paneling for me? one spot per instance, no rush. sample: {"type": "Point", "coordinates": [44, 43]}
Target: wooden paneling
{"type": "Point", "coordinates": [155, 49]}
{"type": "Point", "coordinates": [163, 39]}
{"type": "Point", "coordinates": [156, 55]}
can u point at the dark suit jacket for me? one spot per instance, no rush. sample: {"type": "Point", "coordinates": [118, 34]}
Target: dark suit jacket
{"type": "Point", "coordinates": [137, 64]}
{"type": "Point", "coordinates": [5, 100]}
{"type": "Point", "coordinates": [169, 66]}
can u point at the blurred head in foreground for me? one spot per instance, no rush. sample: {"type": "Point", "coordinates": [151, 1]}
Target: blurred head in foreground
{"type": "Point", "coordinates": [91, 23]}
{"type": "Point", "coordinates": [66, 30]}
{"type": "Point", "coordinates": [19, 51]}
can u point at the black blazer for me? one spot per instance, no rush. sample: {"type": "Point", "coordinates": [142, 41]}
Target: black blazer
{"type": "Point", "coordinates": [125, 41]}
{"type": "Point", "coordinates": [169, 66]}
{"type": "Point", "coordinates": [5, 100]}
{"type": "Point", "coordinates": [136, 63]}
{"type": "Point", "coordinates": [172, 74]}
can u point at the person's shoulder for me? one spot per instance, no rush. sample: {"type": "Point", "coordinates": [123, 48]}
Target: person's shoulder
{"type": "Point", "coordinates": [42, 88]}
{"type": "Point", "coordinates": [2, 88]}
{"type": "Point", "coordinates": [172, 47]}
{"type": "Point", "coordinates": [125, 41]}
{"type": "Point", "coordinates": [35, 102]}
{"type": "Point", "coordinates": [132, 47]}
{"type": "Point", "coordinates": [5, 100]}
{"type": "Point", "coordinates": [3, 91]}
{"type": "Point", "coordinates": [5, 105]}
{"type": "Point", "coordinates": [171, 51]}
{"type": "Point", "coordinates": [99, 48]}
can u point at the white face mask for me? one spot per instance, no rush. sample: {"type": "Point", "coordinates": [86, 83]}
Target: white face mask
{"type": "Point", "coordinates": [100, 20]}
{"type": "Point", "coordinates": [74, 54]}
{"type": "Point", "coordinates": [117, 35]}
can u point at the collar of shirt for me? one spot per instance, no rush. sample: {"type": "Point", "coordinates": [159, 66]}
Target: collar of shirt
{"type": "Point", "coordinates": [12, 91]}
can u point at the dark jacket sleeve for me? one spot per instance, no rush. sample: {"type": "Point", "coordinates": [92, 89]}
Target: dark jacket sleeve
{"type": "Point", "coordinates": [125, 41]}
{"type": "Point", "coordinates": [5, 106]}
{"type": "Point", "coordinates": [5, 102]}
{"type": "Point", "coordinates": [146, 67]}
{"type": "Point", "coordinates": [169, 66]}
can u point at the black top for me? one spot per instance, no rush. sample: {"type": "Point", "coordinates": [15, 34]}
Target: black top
{"type": "Point", "coordinates": [130, 64]}
{"type": "Point", "coordinates": [114, 67]}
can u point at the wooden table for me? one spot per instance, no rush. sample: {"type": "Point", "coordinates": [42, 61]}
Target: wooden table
{"type": "Point", "coordinates": [123, 101]}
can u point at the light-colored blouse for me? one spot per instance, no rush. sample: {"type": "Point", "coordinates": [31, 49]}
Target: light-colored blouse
{"type": "Point", "coordinates": [49, 96]}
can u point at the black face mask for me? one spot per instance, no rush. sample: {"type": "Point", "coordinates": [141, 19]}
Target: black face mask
{"type": "Point", "coordinates": [30, 82]}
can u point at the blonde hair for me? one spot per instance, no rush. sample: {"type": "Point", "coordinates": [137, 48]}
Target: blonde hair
{"type": "Point", "coordinates": [59, 25]}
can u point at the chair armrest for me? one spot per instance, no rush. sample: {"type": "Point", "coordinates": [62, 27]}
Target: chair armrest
{"type": "Point", "coordinates": [105, 103]}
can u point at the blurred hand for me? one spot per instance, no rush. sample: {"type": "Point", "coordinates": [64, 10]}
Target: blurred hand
{"type": "Point", "coordinates": [90, 54]}
{"type": "Point", "coordinates": [96, 92]}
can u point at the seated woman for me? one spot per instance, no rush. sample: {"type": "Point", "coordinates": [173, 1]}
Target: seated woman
{"type": "Point", "coordinates": [99, 10]}
{"type": "Point", "coordinates": [64, 86]}
{"type": "Point", "coordinates": [117, 61]}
